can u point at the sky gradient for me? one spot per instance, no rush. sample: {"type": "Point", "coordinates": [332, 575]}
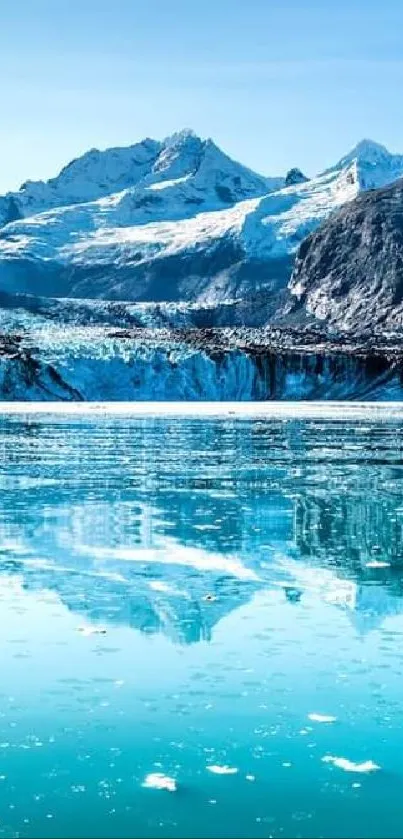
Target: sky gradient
{"type": "Point", "coordinates": [276, 83]}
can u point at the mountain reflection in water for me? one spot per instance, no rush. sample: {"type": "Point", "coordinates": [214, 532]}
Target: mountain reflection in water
{"type": "Point", "coordinates": [168, 525]}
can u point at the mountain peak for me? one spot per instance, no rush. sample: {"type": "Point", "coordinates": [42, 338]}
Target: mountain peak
{"type": "Point", "coordinates": [180, 154]}
{"type": "Point", "coordinates": [366, 151]}
{"type": "Point", "coordinates": [368, 146]}
{"type": "Point", "coordinates": [182, 163]}
{"type": "Point", "coordinates": [295, 176]}
{"type": "Point", "coordinates": [372, 165]}
{"type": "Point", "coordinates": [180, 137]}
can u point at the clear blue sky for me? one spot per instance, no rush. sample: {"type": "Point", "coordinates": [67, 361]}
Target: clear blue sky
{"type": "Point", "coordinates": [277, 83]}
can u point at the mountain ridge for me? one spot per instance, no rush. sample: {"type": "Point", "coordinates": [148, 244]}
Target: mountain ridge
{"type": "Point", "coordinates": [97, 174]}
{"type": "Point", "coordinates": [195, 225]}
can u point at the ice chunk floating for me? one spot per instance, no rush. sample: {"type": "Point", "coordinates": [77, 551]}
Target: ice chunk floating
{"type": "Point", "coordinates": [350, 766]}
{"type": "Point", "coordinates": [157, 780]}
{"type": "Point", "coordinates": [321, 718]}
{"type": "Point", "coordinates": [222, 770]}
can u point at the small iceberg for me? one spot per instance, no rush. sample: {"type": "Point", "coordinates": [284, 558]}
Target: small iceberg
{"type": "Point", "coordinates": [321, 718]}
{"type": "Point", "coordinates": [222, 770]}
{"type": "Point", "coordinates": [377, 563]}
{"type": "Point", "coordinates": [157, 780]}
{"type": "Point", "coordinates": [350, 766]}
{"type": "Point", "coordinates": [91, 630]}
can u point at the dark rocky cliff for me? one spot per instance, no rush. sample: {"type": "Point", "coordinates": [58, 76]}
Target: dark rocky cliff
{"type": "Point", "coordinates": [349, 272]}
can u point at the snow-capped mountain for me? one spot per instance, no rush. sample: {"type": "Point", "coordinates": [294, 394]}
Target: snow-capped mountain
{"type": "Point", "coordinates": [95, 174]}
{"type": "Point", "coordinates": [182, 222]}
{"type": "Point", "coordinates": [372, 165]}
{"type": "Point", "coordinates": [213, 179]}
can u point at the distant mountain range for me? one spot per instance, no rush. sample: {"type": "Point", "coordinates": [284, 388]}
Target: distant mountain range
{"type": "Point", "coordinates": [166, 270]}
{"type": "Point", "coordinates": [176, 220]}
{"type": "Point", "coordinates": [207, 178]}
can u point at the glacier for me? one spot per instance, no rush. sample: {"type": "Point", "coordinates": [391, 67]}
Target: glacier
{"type": "Point", "coordinates": [69, 350]}
{"type": "Point", "coordinates": [162, 271]}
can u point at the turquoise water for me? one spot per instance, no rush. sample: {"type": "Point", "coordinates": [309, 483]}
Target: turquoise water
{"type": "Point", "coordinates": [179, 594]}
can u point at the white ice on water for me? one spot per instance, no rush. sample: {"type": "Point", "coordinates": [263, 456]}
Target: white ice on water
{"type": "Point", "coordinates": [157, 780]}
{"type": "Point", "coordinates": [350, 766]}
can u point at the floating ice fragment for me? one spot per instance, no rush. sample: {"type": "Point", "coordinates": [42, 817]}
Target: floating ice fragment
{"type": "Point", "coordinates": [157, 780]}
{"type": "Point", "coordinates": [350, 765]}
{"type": "Point", "coordinates": [222, 770]}
{"type": "Point", "coordinates": [91, 630]}
{"type": "Point", "coordinates": [377, 563]}
{"type": "Point", "coordinates": [250, 777]}
{"type": "Point", "coordinates": [321, 718]}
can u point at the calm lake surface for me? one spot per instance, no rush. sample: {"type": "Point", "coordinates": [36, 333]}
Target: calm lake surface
{"type": "Point", "coordinates": [218, 601]}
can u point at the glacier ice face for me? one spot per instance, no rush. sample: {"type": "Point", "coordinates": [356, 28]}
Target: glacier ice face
{"type": "Point", "coordinates": [44, 358]}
